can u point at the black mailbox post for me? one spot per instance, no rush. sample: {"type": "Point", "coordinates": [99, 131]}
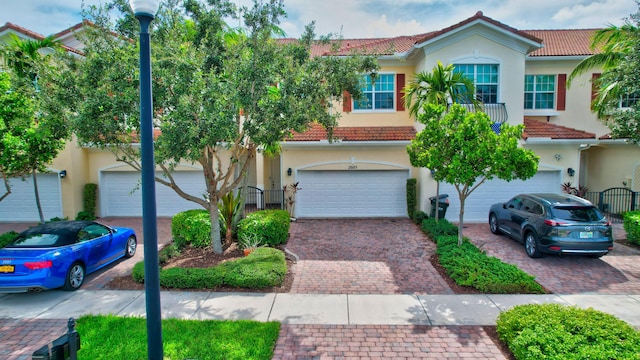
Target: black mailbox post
{"type": "Point", "coordinates": [63, 348]}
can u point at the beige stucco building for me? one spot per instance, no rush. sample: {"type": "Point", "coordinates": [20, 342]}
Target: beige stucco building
{"type": "Point", "coordinates": [519, 74]}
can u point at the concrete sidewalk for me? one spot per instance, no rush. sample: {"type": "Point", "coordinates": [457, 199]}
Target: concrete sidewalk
{"type": "Point", "coordinates": [322, 309]}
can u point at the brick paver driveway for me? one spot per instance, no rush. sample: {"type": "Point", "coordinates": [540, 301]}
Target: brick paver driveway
{"type": "Point", "coordinates": [363, 256]}
{"type": "Point", "coordinates": [616, 273]}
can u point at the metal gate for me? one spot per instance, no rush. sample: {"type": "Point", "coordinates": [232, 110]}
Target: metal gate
{"type": "Point", "coordinates": [614, 202]}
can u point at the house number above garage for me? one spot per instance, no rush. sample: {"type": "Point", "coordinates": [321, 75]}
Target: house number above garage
{"type": "Point", "coordinates": [353, 167]}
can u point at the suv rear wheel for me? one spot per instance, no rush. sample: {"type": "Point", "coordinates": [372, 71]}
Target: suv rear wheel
{"type": "Point", "coordinates": [531, 245]}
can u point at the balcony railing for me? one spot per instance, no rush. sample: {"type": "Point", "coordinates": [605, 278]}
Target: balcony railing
{"type": "Point", "coordinates": [497, 112]}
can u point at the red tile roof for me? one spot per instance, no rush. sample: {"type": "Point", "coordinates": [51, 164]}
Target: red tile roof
{"type": "Point", "coordinates": [543, 129]}
{"type": "Point", "coordinates": [572, 42]}
{"type": "Point", "coordinates": [564, 42]}
{"type": "Point", "coordinates": [33, 35]}
{"type": "Point", "coordinates": [370, 133]}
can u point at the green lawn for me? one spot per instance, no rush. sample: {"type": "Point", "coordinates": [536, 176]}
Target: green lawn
{"type": "Point", "coordinates": [112, 337]}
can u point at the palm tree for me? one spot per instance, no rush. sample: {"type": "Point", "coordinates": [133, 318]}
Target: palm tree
{"type": "Point", "coordinates": [443, 85]}
{"type": "Point", "coordinates": [614, 44]}
{"type": "Point", "coordinates": [22, 57]}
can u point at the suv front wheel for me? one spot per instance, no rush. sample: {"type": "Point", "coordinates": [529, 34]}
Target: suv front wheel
{"type": "Point", "coordinates": [531, 245]}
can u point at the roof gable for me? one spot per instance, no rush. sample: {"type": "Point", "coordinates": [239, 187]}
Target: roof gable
{"type": "Point", "coordinates": [530, 42]}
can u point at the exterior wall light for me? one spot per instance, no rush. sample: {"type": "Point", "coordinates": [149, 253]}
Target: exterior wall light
{"type": "Point", "coordinates": [571, 171]}
{"type": "Point", "coordinates": [289, 171]}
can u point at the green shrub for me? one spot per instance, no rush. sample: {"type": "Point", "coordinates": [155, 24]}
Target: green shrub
{"type": "Point", "coordinates": [468, 266]}
{"type": "Point", "coordinates": [138, 272]}
{"type": "Point", "coordinates": [554, 331]}
{"type": "Point", "coordinates": [264, 267]}
{"type": "Point", "coordinates": [167, 252]}
{"type": "Point", "coordinates": [412, 200]}
{"type": "Point", "coordinates": [191, 227]}
{"type": "Point", "coordinates": [85, 215]}
{"type": "Point", "coordinates": [272, 226]}
{"type": "Point", "coordinates": [7, 237]}
{"type": "Point", "coordinates": [419, 216]}
{"type": "Point", "coordinates": [632, 226]}
{"type": "Point", "coordinates": [90, 197]}
{"type": "Point", "coordinates": [442, 227]}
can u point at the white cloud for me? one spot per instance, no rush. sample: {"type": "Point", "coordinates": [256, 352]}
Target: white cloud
{"type": "Point", "coordinates": [370, 18]}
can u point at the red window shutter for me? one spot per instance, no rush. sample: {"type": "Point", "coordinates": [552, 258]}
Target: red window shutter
{"type": "Point", "coordinates": [399, 92]}
{"type": "Point", "coordinates": [594, 87]}
{"type": "Point", "coordinates": [561, 95]}
{"type": "Point", "coordinates": [346, 101]}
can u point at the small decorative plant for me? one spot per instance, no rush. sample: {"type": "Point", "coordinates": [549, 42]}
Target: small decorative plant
{"type": "Point", "coordinates": [250, 242]}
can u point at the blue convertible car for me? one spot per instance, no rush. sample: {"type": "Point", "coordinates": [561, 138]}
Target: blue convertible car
{"type": "Point", "coordinates": [60, 254]}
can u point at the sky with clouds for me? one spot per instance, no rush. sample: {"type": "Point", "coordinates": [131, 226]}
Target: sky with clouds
{"type": "Point", "coordinates": [371, 18]}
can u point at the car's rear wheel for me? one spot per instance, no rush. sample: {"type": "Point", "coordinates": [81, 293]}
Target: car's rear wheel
{"type": "Point", "coordinates": [493, 224]}
{"type": "Point", "coordinates": [531, 245]}
{"type": "Point", "coordinates": [75, 277]}
{"type": "Point", "coordinates": [132, 245]}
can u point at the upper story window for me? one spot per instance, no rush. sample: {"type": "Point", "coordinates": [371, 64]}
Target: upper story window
{"type": "Point", "coordinates": [378, 95]}
{"type": "Point", "coordinates": [485, 80]}
{"type": "Point", "coordinates": [628, 101]}
{"type": "Point", "coordinates": [539, 91]}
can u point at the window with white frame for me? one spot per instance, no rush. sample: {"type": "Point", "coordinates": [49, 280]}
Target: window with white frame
{"type": "Point", "coordinates": [485, 80]}
{"type": "Point", "coordinates": [628, 101]}
{"type": "Point", "coordinates": [378, 94]}
{"type": "Point", "coordinates": [539, 91]}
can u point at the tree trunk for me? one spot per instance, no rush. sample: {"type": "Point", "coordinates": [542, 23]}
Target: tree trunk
{"type": "Point", "coordinates": [461, 220]}
{"type": "Point", "coordinates": [216, 242]}
{"type": "Point", "coordinates": [35, 189]}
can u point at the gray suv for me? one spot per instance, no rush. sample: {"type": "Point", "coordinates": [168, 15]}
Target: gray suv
{"type": "Point", "coordinates": [553, 224]}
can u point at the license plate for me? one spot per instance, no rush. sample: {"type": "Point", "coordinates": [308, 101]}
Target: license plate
{"type": "Point", "coordinates": [586, 234]}
{"type": "Point", "coordinates": [7, 268]}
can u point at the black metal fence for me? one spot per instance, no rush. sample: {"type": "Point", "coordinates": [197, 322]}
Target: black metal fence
{"type": "Point", "coordinates": [258, 199]}
{"type": "Point", "coordinates": [615, 202]}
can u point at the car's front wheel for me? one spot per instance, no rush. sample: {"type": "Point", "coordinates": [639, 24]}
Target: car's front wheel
{"type": "Point", "coordinates": [531, 245]}
{"type": "Point", "coordinates": [493, 224]}
{"type": "Point", "coordinates": [75, 277]}
{"type": "Point", "coordinates": [132, 245]}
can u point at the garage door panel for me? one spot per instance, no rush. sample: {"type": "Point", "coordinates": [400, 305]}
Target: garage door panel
{"type": "Point", "coordinates": [122, 195]}
{"type": "Point", "coordinates": [352, 194]}
{"type": "Point", "coordinates": [20, 205]}
{"type": "Point", "coordinates": [477, 204]}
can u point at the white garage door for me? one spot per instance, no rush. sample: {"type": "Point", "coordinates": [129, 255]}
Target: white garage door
{"type": "Point", "coordinates": [20, 205]}
{"type": "Point", "coordinates": [121, 195]}
{"type": "Point", "coordinates": [476, 208]}
{"type": "Point", "coordinates": [352, 193]}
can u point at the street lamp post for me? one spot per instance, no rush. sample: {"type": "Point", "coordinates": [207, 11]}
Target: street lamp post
{"type": "Point", "coordinates": [145, 11]}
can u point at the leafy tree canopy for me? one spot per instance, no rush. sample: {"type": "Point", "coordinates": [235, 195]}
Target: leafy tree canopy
{"type": "Point", "coordinates": [219, 93]}
{"type": "Point", "coordinates": [33, 128]}
{"type": "Point", "coordinates": [465, 151]}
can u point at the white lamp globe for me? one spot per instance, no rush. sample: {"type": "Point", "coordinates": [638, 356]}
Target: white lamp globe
{"type": "Point", "coordinates": [144, 7]}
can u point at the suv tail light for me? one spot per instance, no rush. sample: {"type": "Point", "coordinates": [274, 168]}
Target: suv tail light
{"type": "Point", "coordinates": [554, 223]}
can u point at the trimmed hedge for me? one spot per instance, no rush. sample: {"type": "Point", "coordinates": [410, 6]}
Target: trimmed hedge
{"type": "Point", "coordinates": [191, 227]}
{"type": "Point", "coordinates": [554, 331]}
{"type": "Point", "coordinates": [632, 226]}
{"type": "Point", "coordinates": [7, 237]}
{"type": "Point", "coordinates": [412, 193]}
{"type": "Point", "coordinates": [263, 268]}
{"type": "Point", "coordinates": [272, 226]}
{"type": "Point", "coordinates": [468, 266]}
